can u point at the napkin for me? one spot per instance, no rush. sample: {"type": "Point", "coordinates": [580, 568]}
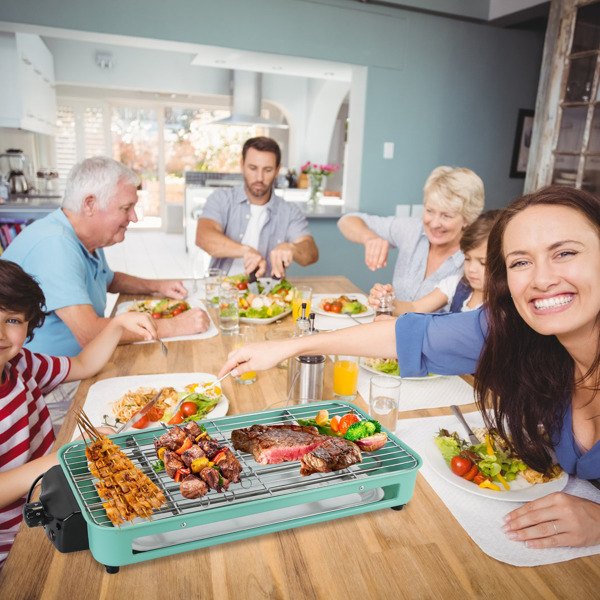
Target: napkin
{"type": "Point", "coordinates": [427, 392]}
{"type": "Point", "coordinates": [483, 518]}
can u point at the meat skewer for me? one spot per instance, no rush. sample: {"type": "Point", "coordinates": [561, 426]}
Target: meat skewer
{"type": "Point", "coordinates": [128, 491]}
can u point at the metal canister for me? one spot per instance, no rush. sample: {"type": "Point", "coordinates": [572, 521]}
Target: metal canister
{"type": "Point", "coordinates": [307, 383]}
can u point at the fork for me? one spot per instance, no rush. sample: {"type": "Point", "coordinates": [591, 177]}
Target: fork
{"type": "Point", "coordinates": [353, 318]}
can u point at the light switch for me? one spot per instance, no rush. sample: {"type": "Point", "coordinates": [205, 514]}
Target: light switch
{"type": "Point", "coordinates": [388, 150]}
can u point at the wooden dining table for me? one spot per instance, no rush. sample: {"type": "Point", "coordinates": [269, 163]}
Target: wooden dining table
{"type": "Point", "coordinates": [419, 552]}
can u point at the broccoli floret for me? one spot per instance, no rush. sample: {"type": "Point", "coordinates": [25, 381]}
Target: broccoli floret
{"type": "Point", "coordinates": [362, 429]}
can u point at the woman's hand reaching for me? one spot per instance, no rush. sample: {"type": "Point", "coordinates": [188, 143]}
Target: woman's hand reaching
{"type": "Point", "coordinates": [558, 519]}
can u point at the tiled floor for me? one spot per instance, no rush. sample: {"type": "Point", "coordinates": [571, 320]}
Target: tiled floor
{"type": "Point", "coordinates": [152, 255]}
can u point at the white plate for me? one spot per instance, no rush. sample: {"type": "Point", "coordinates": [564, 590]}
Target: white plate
{"type": "Point", "coordinates": [256, 321]}
{"type": "Point", "coordinates": [102, 393]}
{"type": "Point", "coordinates": [520, 489]}
{"type": "Point", "coordinates": [125, 306]}
{"type": "Point", "coordinates": [376, 372]}
{"type": "Point", "coordinates": [316, 299]}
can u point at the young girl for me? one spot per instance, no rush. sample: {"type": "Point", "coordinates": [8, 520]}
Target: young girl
{"type": "Point", "coordinates": [461, 292]}
{"type": "Point", "coordinates": [26, 435]}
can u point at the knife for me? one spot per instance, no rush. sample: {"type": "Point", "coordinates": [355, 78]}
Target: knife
{"type": "Point", "coordinates": [253, 283]}
{"type": "Point", "coordinates": [140, 413]}
{"type": "Point", "coordinates": [472, 437]}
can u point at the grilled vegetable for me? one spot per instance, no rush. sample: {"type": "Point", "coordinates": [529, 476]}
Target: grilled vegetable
{"type": "Point", "coordinates": [372, 442]}
{"type": "Point", "coordinates": [362, 429]}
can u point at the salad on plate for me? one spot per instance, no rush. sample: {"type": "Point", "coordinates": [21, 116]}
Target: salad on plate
{"type": "Point", "coordinates": [262, 306]}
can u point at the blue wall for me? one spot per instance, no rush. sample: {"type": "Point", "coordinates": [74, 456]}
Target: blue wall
{"type": "Point", "coordinates": [443, 90]}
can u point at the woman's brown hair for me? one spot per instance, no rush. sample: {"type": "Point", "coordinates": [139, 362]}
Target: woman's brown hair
{"type": "Point", "coordinates": [525, 378]}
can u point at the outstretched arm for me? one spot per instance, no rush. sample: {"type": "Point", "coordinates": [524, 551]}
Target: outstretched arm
{"type": "Point", "coordinates": [376, 248]}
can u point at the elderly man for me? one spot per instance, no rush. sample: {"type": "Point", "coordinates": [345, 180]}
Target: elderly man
{"type": "Point", "coordinates": [249, 228]}
{"type": "Point", "coordinates": [63, 251]}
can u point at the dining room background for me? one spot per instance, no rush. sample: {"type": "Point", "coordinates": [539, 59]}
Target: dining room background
{"type": "Point", "coordinates": [443, 90]}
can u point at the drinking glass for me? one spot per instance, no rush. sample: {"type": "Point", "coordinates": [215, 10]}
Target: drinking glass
{"type": "Point", "coordinates": [345, 376]}
{"type": "Point", "coordinates": [213, 278]}
{"type": "Point", "coordinates": [229, 310]}
{"type": "Point", "coordinates": [384, 400]}
{"type": "Point", "coordinates": [301, 294]}
{"type": "Point", "coordinates": [246, 334]}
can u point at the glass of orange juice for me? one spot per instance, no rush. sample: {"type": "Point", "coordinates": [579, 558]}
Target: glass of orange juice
{"type": "Point", "coordinates": [245, 335]}
{"type": "Point", "coordinates": [301, 294]}
{"type": "Point", "coordinates": [345, 377]}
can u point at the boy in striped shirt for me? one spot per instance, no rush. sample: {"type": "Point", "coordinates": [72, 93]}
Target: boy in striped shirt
{"type": "Point", "coordinates": [26, 435]}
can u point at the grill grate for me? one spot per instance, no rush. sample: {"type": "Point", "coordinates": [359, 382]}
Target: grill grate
{"type": "Point", "coordinates": [258, 482]}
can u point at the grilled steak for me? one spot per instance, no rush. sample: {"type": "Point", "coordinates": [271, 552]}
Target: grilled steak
{"type": "Point", "coordinates": [333, 455]}
{"type": "Point", "coordinates": [192, 453]}
{"type": "Point", "coordinates": [193, 487]}
{"type": "Point", "coordinates": [277, 443]}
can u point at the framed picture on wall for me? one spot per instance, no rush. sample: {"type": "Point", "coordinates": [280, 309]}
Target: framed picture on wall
{"type": "Point", "coordinates": [518, 165]}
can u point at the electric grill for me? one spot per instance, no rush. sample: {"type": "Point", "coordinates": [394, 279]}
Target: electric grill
{"type": "Point", "coordinates": [268, 498]}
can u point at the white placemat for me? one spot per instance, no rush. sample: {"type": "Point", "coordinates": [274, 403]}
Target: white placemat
{"type": "Point", "coordinates": [483, 518]}
{"type": "Point", "coordinates": [428, 392]}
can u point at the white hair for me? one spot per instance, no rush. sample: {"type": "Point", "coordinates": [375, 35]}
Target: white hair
{"type": "Point", "coordinates": [97, 176]}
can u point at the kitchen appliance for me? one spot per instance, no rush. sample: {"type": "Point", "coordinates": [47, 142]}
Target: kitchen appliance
{"type": "Point", "coordinates": [18, 169]}
{"type": "Point", "coordinates": [268, 498]}
{"type": "Point", "coordinates": [47, 175]}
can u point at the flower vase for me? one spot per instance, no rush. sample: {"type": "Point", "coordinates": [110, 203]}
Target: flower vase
{"type": "Point", "coordinates": [315, 187]}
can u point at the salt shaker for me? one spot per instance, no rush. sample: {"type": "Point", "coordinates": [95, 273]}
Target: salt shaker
{"type": "Point", "coordinates": [386, 304]}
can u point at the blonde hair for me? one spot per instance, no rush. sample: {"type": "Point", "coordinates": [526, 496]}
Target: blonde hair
{"type": "Point", "coordinates": [457, 189]}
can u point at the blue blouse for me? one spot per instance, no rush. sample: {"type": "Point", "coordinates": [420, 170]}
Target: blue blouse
{"type": "Point", "coordinates": [450, 344]}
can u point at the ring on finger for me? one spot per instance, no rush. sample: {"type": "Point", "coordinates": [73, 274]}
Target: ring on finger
{"type": "Point", "coordinates": [555, 528]}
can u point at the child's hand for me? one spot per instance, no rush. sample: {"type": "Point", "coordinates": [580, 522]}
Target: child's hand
{"type": "Point", "coordinates": [141, 324]}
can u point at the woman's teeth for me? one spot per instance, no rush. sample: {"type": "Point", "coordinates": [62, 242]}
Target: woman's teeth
{"type": "Point", "coordinates": [552, 302]}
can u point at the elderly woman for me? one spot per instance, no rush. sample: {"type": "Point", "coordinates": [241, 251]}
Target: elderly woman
{"type": "Point", "coordinates": [535, 350]}
{"type": "Point", "coordinates": [428, 249]}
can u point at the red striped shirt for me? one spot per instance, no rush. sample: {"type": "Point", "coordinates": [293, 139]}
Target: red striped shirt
{"type": "Point", "coordinates": [25, 425]}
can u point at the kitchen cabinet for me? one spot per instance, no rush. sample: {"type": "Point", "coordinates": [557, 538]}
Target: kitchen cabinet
{"type": "Point", "coordinates": [565, 147]}
{"type": "Point", "coordinates": [28, 99]}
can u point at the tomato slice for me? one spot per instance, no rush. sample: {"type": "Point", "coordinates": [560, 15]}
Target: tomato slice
{"type": "Point", "coordinates": [346, 421]}
{"type": "Point", "coordinates": [157, 315]}
{"type": "Point", "coordinates": [155, 414]}
{"type": "Point", "coordinates": [176, 418]}
{"type": "Point", "coordinates": [143, 422]}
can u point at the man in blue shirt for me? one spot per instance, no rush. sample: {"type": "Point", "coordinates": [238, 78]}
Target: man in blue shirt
{"type": "Point", "coordinates": [64, 252]}
{"type": "Point", "coordinates": [250, 228]}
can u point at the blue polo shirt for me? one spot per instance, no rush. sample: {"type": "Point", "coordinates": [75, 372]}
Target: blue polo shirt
{"type": "Point", "coordinates": [68, 274]}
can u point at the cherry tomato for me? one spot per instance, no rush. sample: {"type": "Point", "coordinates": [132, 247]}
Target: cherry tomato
{"type": "Point", "coordinates": [157, 315]}
{"type": "Point", "coordinates": [460, 466]}
{"type": "Point", "coordinates": [176, 418]}
{"type": "Point", "coordinates": [242, 285]}
{"type": "Point", "coordinates": [188, 409]}
{"type": "Point", "coordinates": [177, 311]}
{"type": "Point", "coordinates": [336, 307]}
{"type": "Point", "coordinates": [143, 422]}
{"type": "Point", "coordinates": [327, 306]}
{"type": "Point", "coordinates": [335, 423]}
{"type": "Point", "coordinates": [470, 474]}
{"type": "Point", "coordinates": [346, 421]}
{"type": "Point", "coordinates": [155, 414]}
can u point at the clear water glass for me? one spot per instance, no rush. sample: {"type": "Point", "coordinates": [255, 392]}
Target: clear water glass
{"type": "Point", "coordinates": [384, 400]}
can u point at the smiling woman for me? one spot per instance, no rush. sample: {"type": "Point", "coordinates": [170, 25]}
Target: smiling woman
{"type": "Point", "coordinates": [535, 350]}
